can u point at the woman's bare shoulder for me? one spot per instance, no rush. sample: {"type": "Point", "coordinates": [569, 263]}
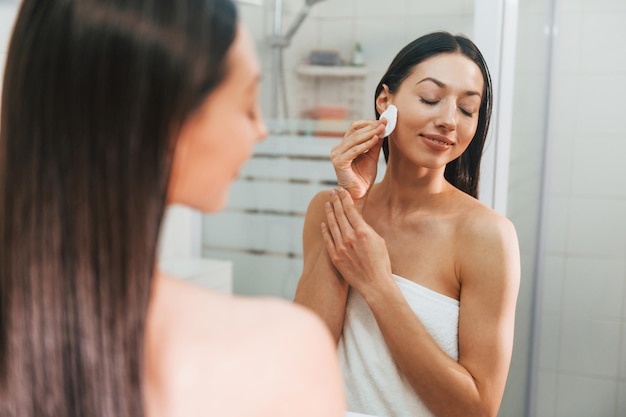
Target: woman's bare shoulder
{"type": "Point", "coordinates": [244, 356]}
{"type": "Point", "coordinates": [311, 234]}
{"type": "Point", "coordinates": [486, 245]}
{"type": "Point", "coordinates": [478, 221]}
{"type": "Point", "coordinates": [316, 205]}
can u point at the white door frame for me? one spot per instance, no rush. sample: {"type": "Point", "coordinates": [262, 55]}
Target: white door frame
{"type": "Point", "coordinates": [495, 34]}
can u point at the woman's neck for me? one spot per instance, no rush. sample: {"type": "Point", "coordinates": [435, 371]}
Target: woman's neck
{"type": "Point", "coordinates": [403, 190]}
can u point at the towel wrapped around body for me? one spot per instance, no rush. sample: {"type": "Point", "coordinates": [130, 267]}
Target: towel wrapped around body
{"type": "Point", "coordinates": [374, 384]}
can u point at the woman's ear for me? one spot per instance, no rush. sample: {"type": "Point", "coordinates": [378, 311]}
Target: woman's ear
{"type": "Point", "coordinates": [383, 100]}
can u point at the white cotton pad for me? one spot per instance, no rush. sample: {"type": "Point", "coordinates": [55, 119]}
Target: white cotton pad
{"type": "Point", "coordinates": [391, 114]}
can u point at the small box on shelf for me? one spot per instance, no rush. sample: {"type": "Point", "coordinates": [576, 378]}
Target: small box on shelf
{"type": "Point", "coordinates": [328, 121]}
{"type": "Point", "coordinates": [331, 96]}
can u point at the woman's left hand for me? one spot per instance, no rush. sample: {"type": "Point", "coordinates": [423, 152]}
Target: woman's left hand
{"type": "Point", "coordinates": [356, 250]}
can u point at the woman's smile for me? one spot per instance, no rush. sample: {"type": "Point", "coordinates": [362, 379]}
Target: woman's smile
{"type": "Point", "coordinates": [437, 142]}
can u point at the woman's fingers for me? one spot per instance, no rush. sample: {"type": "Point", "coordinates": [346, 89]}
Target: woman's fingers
{"type": "Point", "coordinates": [351, 214]}
{"type": "Point", "coordinates": [328, 239]}
{"type": "Point", "coordinates": [359, 134]}
{"type": "Point", "coordinates": [331, 222]}
{"type": "Point", "coordinates": [339, 214]}
{"type": "Point", "coordinates": [359, 124]}
{"type": "Point", "coordinates": [363, 126]}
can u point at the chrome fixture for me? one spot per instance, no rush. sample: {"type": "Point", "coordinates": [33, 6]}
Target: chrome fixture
{"type": "Point", "coordinates": [278, 42]}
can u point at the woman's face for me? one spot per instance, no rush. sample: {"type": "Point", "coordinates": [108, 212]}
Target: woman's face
{"type": "Point", "coordinates": [218, 138]}
{"type": "Point", "coordinates": [438, 108]}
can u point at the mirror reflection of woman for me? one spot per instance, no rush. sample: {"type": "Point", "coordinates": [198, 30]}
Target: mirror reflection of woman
{"type": "Point", "coordinates": [417, 279]}
{"type": "Point", "coordinates": [111, 110]}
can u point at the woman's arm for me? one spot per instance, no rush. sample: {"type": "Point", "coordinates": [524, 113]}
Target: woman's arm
{"type": "Point", "coordinates": [474, 386]}
{"type": "Point", "coordinates": [489, 274]}
{"type": "Point", "coordinates": [321, 288]}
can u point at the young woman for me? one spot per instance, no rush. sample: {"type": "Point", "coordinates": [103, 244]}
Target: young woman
{"type": "Point", "coordinates": [416, 279]}
{"type": "Point", "coordinates": [112, 109]}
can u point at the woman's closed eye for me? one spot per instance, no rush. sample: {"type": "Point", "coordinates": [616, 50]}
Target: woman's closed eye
{"type": "Point", "coordinates": [429, 102]}
{"type": "Point", "coordinates": [465, 111]}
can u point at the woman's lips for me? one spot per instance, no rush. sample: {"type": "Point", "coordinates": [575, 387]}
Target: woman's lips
{"type": "Point", "coordinates": [437, 142]}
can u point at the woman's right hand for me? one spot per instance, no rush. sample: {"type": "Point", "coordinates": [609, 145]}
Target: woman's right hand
{"type": "Point", "coordinates": [355, 158]}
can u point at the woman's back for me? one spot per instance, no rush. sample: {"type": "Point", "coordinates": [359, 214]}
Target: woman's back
{"type": "Point", "coordinates": [111, 110]}
{"type": "Point", "coordinates": [210, 354]}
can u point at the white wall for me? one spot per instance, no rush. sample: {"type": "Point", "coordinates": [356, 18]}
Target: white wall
{"type": "Point", "coordinates": [339, 24]}
{"type": "Point", "coordinates": [382, 31]}
{"type": "Point", "coordinates": [525, 179]}
{"type": "Point", "coordinates": [582, 355]}
{"type": "Point", "coordinates": [8, 11]}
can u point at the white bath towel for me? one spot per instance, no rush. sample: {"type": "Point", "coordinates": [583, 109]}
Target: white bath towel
{"type": "Point", "coordinates": [374, 384]}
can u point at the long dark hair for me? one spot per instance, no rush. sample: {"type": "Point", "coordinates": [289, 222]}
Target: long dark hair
{"type": "Point", "coordinates": [463, 172]}
{"type": "Point", "coordinates": [95, 92]}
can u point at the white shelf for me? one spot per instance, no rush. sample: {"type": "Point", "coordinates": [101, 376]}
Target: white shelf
{"type": "Point", "coordinates": [331, 71]}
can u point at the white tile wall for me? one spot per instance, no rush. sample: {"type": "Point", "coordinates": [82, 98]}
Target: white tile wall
{"type": "Point", "coordinates": [600, 109]}
{"type": "Point", "coordinates": [550, 343]}
{"type": "Point", "coordinates": [621, 399]}
{"type": "Point", "coordinates": [337, 8]}
{"type": "Point", "coordinates": [560, 170]}
{"type": "Point", "coordinates": [339, 24]}
{"type": "Point", "coordinates": [593, 288]}
{"type": "Point", "coordinates": [7, 17]}
{"type": "Point", "coordinates": [552, 288]}
{"type": "Point", "coordinates": [590, 347]}
{"type": "Point", "coordinates": [597, 227]}
{"type": "Point", "coordinates": [556, 225]}
{"type": "Point", "coordinates": [564, 110]}
{"type": "Point", "coordinates": [566, 57]}
{"type": "Point", "coordinates": [546, 394]}
{"type": "Point", "coordinates": [582, 396]}
{"type": "Point", "coordinates": [421, 8]}
{"type": "Point", "coordinates": [602, 40]}
{"type": "Point", "coordinates": [582, 350]}
{"type": "Point", "coordinates": [8, 11]}
{"type": "Point", "coordinates": [604, 5]}
{"type": "Point", "coordinates": [599, 169]}
{"type": "Point", "coordinates": [622, 362]}
{"type": "Point", "coordinates": [393, 8]}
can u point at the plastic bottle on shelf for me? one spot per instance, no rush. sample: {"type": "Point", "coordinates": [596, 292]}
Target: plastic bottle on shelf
{"type": "Point", "coordinates": [357, 56]}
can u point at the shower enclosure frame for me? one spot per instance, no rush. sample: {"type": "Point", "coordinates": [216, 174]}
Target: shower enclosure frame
{"type": "Point", "coordinates": [495, 33]}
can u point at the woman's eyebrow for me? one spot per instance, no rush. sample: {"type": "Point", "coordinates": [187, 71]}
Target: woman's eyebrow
{"type": "Point", "coordinates": [434, 80]}
{"type": "Point", "coordinates": [441, 84]}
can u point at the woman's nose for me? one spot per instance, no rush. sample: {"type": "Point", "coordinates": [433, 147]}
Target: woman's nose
{"type": "Point", "coordinates": [262, 131]}
{"type": "Point", "coordinates": [447, 117]}
{"type": "Point", "coordinates": [259, 125]}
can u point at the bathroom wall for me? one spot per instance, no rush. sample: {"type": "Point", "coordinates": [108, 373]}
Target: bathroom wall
{"type": "Point", "coordinates": [530, 105]}
{"type": "Point", "coordinates": [270, 263]}
{"type": "Point", "coordinates": [8, 10]}
{"type": "Point", "coordinates": [581, 356]}
{"type": "Point", "coordinates": [582, 320]}
{"type": "Point", "coordinates": [582, 306]}
{"type": "Point", "coordinates": [339, 24]}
